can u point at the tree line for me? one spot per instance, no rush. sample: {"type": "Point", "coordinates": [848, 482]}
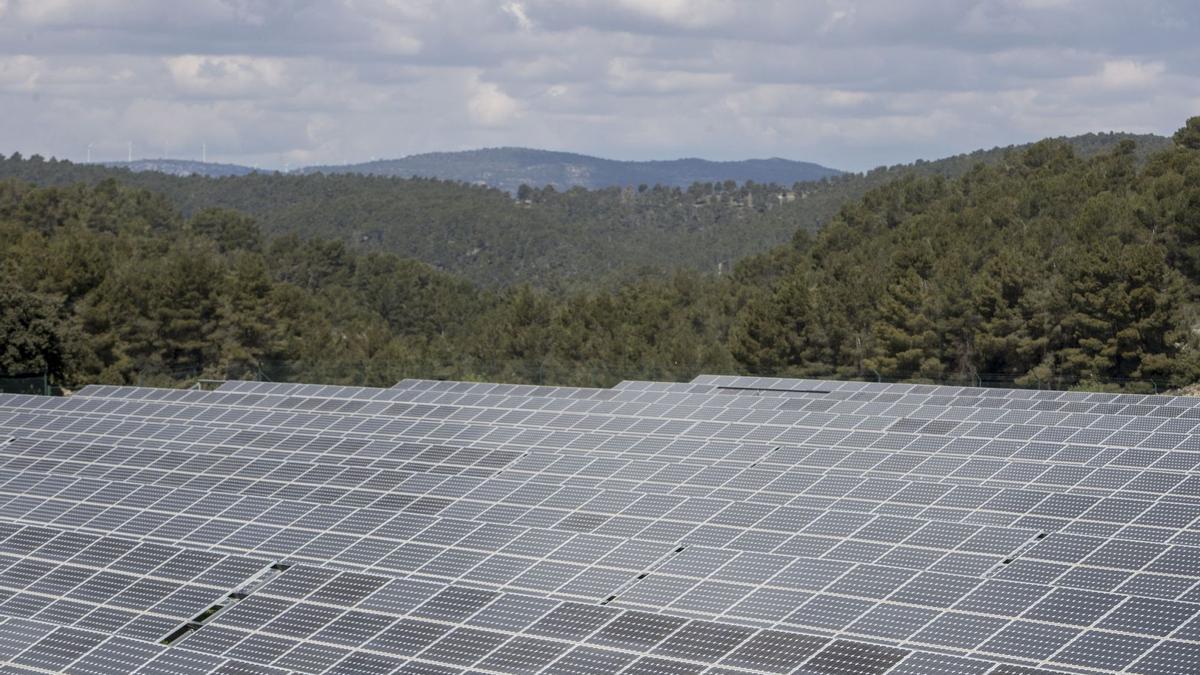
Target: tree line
{"type": "Point", "coordinates": [1043, 268]}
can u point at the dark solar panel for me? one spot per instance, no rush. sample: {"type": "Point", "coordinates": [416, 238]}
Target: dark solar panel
{"type": "Point", "coordinates": [729, 525]}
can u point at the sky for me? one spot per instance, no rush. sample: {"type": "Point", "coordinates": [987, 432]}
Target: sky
{"type": "Point", "coordinates": [850, 84]}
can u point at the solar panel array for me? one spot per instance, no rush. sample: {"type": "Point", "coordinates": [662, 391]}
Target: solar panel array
{"type": "Point", "coordinates": [728, 525]}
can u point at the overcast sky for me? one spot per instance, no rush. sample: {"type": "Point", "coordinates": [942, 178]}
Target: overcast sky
{"type": "Point", "coordinates": [847, 83]}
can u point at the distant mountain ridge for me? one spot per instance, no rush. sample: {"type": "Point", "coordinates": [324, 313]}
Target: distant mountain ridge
{"type": "Point", "coordinates": [508, 168]}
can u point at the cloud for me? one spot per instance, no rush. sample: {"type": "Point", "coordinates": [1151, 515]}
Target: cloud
{"type": "Point", "coordinates": [1128, 74]}
{"type": "Point", "coordinates": [225, 76]}
{"type": "Point", "coordinates": [20, 72]}
{"type": "Point", "coordinates": [684, 13]}
{"type": "Point", "coordinates": [517, 11]}
{"type": "Point", "coordinates": [849, 83]}
{"type": "Point", "coordinates": [630, 76]}
{"type": "Point", "coordinates": [489, 106]}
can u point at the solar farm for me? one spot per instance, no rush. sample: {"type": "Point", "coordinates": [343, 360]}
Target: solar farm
{"type": "Point", "coordinates": [727, 525]}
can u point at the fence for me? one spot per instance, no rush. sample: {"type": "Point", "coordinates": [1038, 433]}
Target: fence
{"type": "Point", "coordinates": [578, 374]}
{"type": "Point", "coordinates": [26, 384]}
{"type": "Point", "coordinates": [587, 374]}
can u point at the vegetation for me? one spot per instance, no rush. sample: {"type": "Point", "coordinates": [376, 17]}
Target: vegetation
{"type": "Point", "coordinates": [548, 238]}
{"type": "Point", "coordinates": [1044, 270]}
{"type": "Point", "coordinates": [1042, 267]}
{"type": "Point", "coordinates": [109, 283]}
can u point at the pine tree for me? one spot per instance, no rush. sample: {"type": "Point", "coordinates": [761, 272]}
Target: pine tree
{"type": "Point", "coordinates": [768, 335]}
{"type": "Point", "coordinates": [1125, 317]}
{"type": "Point", "coordinates": [907, 344]}
{"type": "Point", "coordinates": [247, 324]}
{"type": "Point", "coordinates": [35, 337]}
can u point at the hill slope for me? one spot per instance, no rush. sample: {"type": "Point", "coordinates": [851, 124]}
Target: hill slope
{"type": "Point", "coordinates": [585, 237]}
{"type": "Point", "coordinates": [508, 168]}
{"type": "Point", "coordinates": [1045, 269]}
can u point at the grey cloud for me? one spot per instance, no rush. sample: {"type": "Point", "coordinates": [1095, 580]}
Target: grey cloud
{"type": "Point", "coordinates": [850, 83]}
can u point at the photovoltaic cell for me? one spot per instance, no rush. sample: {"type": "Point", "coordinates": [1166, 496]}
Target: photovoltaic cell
{"type": "Point", "coordinates": [737, 524]}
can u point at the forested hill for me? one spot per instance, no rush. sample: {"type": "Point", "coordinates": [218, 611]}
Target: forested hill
{"type": "Point", "coordinates": [509, 168]}
{"type": "Point", "coordinates": [550, 237]}
{"type": "Point", "coordinates": [1045, 269]}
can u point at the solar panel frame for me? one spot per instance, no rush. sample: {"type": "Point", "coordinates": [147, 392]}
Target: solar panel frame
{"type": "Point", "coordinates": [704, 468]}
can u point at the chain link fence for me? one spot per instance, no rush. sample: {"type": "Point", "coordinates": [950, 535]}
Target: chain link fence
{"type": "Point", "coordinates": [376, 374]}
{"type": "Point", "coordinates": [26, 384]}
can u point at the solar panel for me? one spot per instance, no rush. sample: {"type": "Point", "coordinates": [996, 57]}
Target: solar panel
{"type": "Point", "coordinates": [726, 525]}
